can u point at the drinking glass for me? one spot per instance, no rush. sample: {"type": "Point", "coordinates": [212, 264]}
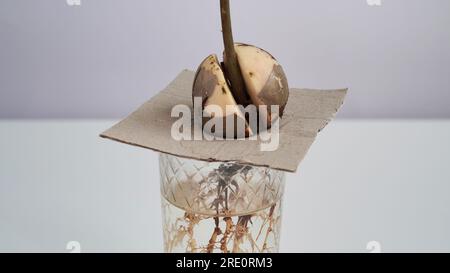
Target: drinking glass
{"type": "Point", "coordinates": [220, 206]}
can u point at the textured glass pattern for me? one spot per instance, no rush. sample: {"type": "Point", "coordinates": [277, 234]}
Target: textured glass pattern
{"type": "Point", "coordinates": [219, 207]}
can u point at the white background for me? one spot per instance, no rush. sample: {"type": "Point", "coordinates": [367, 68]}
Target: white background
{"type": "Point", "coordinates": [364, 180]}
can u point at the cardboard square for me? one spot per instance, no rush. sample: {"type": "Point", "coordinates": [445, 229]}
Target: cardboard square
{"type": "Point", "coordinates": [307, 113]}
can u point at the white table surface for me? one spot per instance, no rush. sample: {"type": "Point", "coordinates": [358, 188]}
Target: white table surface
{"type": "Point", "coordinates": [363, 180]}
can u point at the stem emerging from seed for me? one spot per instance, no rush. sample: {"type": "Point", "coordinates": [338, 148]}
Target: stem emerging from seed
{"type": "Point", "coordinates": [232, 69]}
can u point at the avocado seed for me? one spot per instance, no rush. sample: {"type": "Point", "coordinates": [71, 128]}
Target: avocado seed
{"type": "Point", "coordinates": [211, 85]}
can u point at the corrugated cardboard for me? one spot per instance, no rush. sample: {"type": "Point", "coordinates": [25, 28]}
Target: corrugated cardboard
{"type": "Point", "coordinates": [307, 113]}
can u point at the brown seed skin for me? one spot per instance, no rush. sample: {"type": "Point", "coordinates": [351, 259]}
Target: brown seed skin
{"type": "Point", "coordinates": [264, 77]}
{"type": "Point", "coordinates": [211, 85]}
{"type": "Point", "coordinates": [205, 81]}
{"type": "Point", "coordinates": [275, 92]}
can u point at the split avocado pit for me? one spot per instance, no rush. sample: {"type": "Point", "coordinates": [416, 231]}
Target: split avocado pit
{"type": "Point", "coordinates": [265, 86]}
{"type": "Point", "coordinates": [248, 77]}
